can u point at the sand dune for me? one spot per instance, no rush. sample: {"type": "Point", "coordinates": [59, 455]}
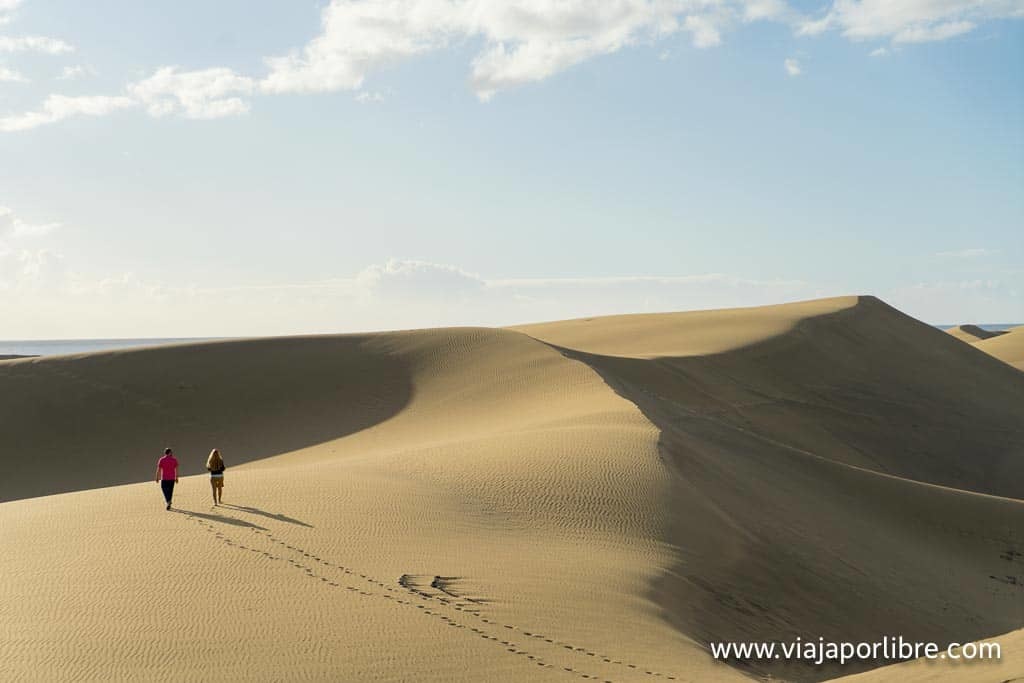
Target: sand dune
{"type": "Point", "coordinates": [844, 378]}
{"type": "Point", "coordinates": [1008, 347]}
{"type": "Point", "coordinates": [586, 500]}
{"type": "Point", "coordinates": [89, 420]}
{"type": "Point", "coordinates": [973, 333]}
{"type": "Point", "coordinates": [795, 452]}
{"type": "Point", "coordinates": [1008, 669]}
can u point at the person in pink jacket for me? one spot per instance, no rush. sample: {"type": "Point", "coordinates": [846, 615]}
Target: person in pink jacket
{"type": "Point", "coordinates": [167, 474]}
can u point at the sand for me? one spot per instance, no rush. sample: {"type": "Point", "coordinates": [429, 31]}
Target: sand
{"type": "Point", "coordinates": [585, 500]}
{"type": "Point", "coordinates": [973, 333]}
{"type": "Point", "coordinates": [1008, 347]}
{"type": "Point", "coordinates": [1008, 669]}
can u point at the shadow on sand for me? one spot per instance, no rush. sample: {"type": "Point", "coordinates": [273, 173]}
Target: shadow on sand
{"type": "Point", "coordinates": [218, 518]}
{"type": "Point", "coordinates": [264, 513]}
{"type": "Point", "coordinates": [766, 510]}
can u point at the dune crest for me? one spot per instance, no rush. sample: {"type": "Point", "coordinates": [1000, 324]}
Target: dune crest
{"type": "Point", "coordinates": [973, 333]}
{"type": "Point", "coordinates": [693, 333]}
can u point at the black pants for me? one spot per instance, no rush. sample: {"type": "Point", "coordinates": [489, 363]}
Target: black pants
{"type": "Point", "coordinates": [168, 487]}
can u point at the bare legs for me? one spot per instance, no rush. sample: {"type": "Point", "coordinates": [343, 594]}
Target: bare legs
{"type": "Point", "coordinates": [218, 491]}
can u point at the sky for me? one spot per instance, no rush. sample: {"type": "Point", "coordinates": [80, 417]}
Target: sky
{"type": "Point", "coordinates": [191, 168]}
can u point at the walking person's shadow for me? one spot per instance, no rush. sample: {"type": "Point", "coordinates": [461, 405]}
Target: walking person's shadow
{"type": "Point", "coordinates": [264, 513]}
{"type": "Point", "coordinates": [217, 518]}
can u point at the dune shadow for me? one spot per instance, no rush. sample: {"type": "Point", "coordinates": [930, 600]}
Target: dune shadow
{"type": "Point", "coordinates": [218, 518]}
{"type": "Point", "coordinates": [252, 398]}
{"type": "Point", "coordinates": [268, 515]}
{"type": "Point", "coordinates": [794, 488]}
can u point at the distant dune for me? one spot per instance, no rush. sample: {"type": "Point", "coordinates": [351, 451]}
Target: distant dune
{"type": "Point", "coordinates": [590, 499]}
{"type": "Point", "coordinates": [973, 333]}
{"type": "Point", "coordinates": [1008, 347]}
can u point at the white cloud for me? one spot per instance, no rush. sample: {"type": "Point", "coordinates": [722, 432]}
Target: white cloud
{"type": "Point", "coordinates": [39, 269]}
{"type": "Point", "coordinates": [757, 10]}
{"type": "Point", "coordinates": [51, 46]}
{"type": "Point", "coordinates": [965, 254]}
{"type": "Point", "coordinates": [76, 71]}
{"type": "Point", "coordinates": [523, 42]}
{"type": "Point", "coordinates": [11, 76]}
{"type": "Point", "coordinates": [7, 8]}
{"type": "Point", "coordinates": [20, 267]}
{"type": "Point", "coordinates": [880, 52]}
{"type": "Point", "coordinates": [925, 34]}
{"type": "Point", "coordinates": [407, 279]}
{"type": "Point", "coordinates": [368, 97]}
{"type": "Point", "coordinates": [11, 226]}
{"type": "Point", "coordinates": [913, 21]}
{"type": "Point", "coordinates": [813, 27]}
{"type": "Point", "coordinates": [704, 31]}
{"type": "Point", "coordinates": [203, 94]}
{"type": "Point", "coordinates": [59, 107]}
{"type": "Point", "coordinates": [520, 42]}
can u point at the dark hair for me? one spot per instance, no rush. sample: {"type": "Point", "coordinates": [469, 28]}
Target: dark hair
{"type": "Point", "coordinates": [167, 451]}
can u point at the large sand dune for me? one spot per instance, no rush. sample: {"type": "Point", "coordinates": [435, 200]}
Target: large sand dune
{"type": "Point", "coordinates": [579, 500]}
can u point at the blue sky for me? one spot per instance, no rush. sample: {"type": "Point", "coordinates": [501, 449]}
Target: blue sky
{"type": "Point", "coordinates": [270, 168]}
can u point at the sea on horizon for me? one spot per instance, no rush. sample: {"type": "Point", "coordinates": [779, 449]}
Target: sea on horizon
{"type": "Point", "coordinates": [53, 347]}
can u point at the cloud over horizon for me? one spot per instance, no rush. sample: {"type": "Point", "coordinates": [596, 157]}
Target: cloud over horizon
{"type": "Point", "coordinates": [14, 227]}
{"type": "Point", "coordinates": [407, 294]}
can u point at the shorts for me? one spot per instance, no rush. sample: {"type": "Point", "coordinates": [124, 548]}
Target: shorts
{"type": "Point", "coordinates": [217, 481]}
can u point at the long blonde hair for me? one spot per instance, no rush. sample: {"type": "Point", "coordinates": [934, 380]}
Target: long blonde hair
{"type": "Point", "coordinates": [214, 461]}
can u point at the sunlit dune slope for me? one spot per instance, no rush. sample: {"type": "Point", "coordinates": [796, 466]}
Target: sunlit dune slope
{"type": "Point", "coordinates": [1008, 347]}
{"type": "Point", "coordinates": [691, 333]}
{"type": "Point", "coordinates": [499, 515]}
{"type": "Point", "coordinates": [973, 333]}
